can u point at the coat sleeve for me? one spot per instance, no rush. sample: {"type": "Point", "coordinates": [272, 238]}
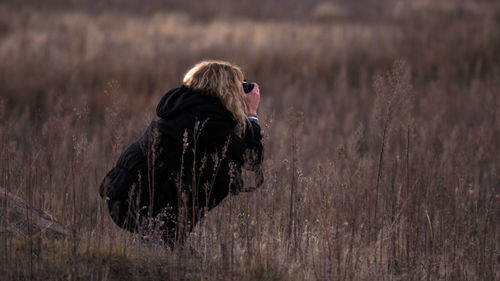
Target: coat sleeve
{"type": "Point", "coordinates": [252, 150]}
{"type": "Point", "coordinates": [246, 151]}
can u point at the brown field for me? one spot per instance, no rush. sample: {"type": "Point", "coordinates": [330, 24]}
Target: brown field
{"type": "Point", "coordinates": [381, 122]}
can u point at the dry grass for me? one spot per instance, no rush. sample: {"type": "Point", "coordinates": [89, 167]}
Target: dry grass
{"type": "Point", "coordinates": [383, 170]}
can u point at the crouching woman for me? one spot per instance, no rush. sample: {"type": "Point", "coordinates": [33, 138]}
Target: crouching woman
{"type": "Point", "coordinates": [191, 158]}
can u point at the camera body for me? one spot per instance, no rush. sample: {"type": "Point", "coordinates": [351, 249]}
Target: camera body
{"type": "Point", "coordinates": [247, 87]}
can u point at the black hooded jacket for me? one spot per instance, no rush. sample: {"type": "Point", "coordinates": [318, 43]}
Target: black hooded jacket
{"type": "Point", "coordinates": [191, 150]}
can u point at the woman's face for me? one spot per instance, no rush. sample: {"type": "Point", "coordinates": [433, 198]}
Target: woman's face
{"type": "Point", "coordinates": [242, 91]}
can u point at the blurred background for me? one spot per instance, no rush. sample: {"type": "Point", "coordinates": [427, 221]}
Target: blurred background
{"type": "Point", "coordinates": [301, 48]}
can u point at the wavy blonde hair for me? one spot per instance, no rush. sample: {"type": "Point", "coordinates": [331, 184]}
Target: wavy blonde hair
{"type": "Point", "coordinates": [222, 80]}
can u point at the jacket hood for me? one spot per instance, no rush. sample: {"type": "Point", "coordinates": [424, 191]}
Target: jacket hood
{"type": "Point", "coordinates": [183, 99]}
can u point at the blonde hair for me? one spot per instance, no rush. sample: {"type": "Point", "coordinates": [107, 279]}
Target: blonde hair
{"type": "Point", "coordinates": [222, 80]}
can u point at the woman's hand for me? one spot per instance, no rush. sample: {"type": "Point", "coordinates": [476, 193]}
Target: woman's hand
{"type": "Point", "coordinates": [252, 99]}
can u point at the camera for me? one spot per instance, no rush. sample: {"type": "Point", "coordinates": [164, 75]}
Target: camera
{"type": "Point", "coordinates": [247, 87]}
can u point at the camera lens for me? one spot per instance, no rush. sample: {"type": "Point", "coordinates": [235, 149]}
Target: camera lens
{"type": "Point", "coordinates": [247, 87]}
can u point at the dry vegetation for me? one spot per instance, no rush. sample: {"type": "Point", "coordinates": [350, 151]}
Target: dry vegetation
{"type": "Point", "coordinates": [386, 168]}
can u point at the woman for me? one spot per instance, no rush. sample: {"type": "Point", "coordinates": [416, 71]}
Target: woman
{"type": "Point", "coordinates": [189, 160]}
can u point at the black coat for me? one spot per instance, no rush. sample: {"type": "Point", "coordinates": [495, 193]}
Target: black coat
{"type": "Point", "coordinates": [193, 136]}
